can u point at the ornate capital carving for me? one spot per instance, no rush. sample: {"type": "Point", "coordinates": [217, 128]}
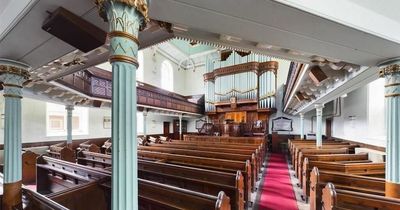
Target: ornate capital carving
{"type": "Point", "coordinates": [389, 70]}
{"type": "Point", "coordinates": [139, 5]}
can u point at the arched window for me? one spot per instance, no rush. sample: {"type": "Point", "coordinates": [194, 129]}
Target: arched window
{"type": "Point", "coordinates": [167, 76]}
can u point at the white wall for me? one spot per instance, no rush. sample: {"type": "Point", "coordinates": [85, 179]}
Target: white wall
{"type": "Point", "coordinates": [360, 127]}
{"type": "Point", "coordinates": [34, 122]}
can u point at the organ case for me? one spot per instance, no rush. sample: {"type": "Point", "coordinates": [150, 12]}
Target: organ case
{"type": "Point", "coordinates": [240, 83]}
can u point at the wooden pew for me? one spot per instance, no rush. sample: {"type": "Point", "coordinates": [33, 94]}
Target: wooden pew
{"type": "Point", "coordinates": [107, 147]}
{"type": "Point", "coordinates": [297, 147]}
{"type": "Point", "coordinates": [206, 163]}
{"type": "Point", "coordinates": [34, 201]}
{"type": "Point", "coordinates": [90, 146]}
{"type": "Point", "coordinates": [364, 184]}
{"type": "Point", "coordinates": [307, 152]}
{"type": "Point", "coordinates": [164, 139]}
{"type": "Point", "coordinates": [28, 167]}
{"type": "Point", "coordinates": [200, 180]}
{"type": "Point", "coordinates": [340, 158]}
{"type": "Point", "coordinates": [259, 147]}
{"type": "Point", "coordinates": [217, 149]}
{"type": "Point", "coordinates": [49, 170]}
{"type": "Point", "coordinates": [62, 152]}
{"type": "Point", "coordinates": [364, 169]}
{"type": "Point", "coordinates": [292, 143]}
{"type": "Point", "coordinates": [226, 156]}
{"type": "Point", "coordinates": [325, 150]}
{"type": "Point", "coordinates": [333, 199]}
{"type": "Point", "coordinates": [96, 195]}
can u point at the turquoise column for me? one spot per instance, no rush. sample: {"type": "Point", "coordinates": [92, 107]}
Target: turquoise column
{"type": "Point", "coordinates": [125, 18]}
{"type": "Point", "coordinates": [180, 127]}
{"type": "Point", "coordinates": [13, 74]}
{"type": "Point", "coordinates": [391, 73]}
{"type": "Point", "coordinates": [318, 108]}
{"type": "Point", "coordinates": [69, 109]}
{"type": "Point", "coordinates": [145, 124]}
{"type": "Point", "coordinates": [301, 126]}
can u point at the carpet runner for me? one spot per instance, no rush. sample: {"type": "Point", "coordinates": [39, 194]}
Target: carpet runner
{"type": "Point", "coordinates": [277, 191]}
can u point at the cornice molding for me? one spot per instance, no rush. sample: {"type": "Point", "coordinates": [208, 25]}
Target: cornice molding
{"type": "Point", "coordinates": [257, 67]}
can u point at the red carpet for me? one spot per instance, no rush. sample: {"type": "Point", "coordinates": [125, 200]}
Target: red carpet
{"type": "Point", "coordinates": [277, 191]}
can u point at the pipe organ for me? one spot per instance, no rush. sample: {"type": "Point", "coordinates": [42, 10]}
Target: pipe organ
{"type": "Point", "coordinates": [240, 80]}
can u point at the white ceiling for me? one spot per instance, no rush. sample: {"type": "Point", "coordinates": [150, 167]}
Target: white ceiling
{"type": "Point", "coordinates": [262, 21]}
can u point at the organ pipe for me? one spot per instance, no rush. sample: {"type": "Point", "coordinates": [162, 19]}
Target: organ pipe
{"type": "Point", "coordinates": [259, 85]}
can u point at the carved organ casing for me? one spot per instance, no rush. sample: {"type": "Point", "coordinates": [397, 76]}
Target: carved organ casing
{"type": "Point", "coordinates": [250, 79]}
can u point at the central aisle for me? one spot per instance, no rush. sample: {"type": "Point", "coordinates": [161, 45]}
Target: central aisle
{"type": "Point", "coordinates": [277, 191]}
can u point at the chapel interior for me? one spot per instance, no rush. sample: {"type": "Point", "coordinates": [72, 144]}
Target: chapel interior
{"type": "Point", "coordinates": [199, 105]}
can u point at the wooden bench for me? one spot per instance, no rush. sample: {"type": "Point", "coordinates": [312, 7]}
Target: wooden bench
{"type": "Point", "coordinates": [260, 148]}
{"type": "Point", "coordinates": [307, 152]}
{"type": "Point", "coordinates": [364, 169]}
{"type": "Point", "coordinates": [95, 194]}
{"type": "Point", "coordinates": [340, 158]}
{"type": "Point", "coordinates": [91, 146]}
{"type": "Point", "coordinates": [293, 143]}
{"type": "Point", "coordinates": [107, 146]}
{"type": "Point", "coordinates": [206, 163]}
{"type": "Point", "coordinates": [62, 152]}
{"type": "Point", "coordinates": [364, 184]}
{"type": "Point", "coordinates": [226, 156]}
{"type": "Point", "coordinates": [34, 201]}
{"type": "Point", "coordinates": [217, 149]}
{"type": "Point", "coordinates": [296, 147]}
{"type": "Point", "coordinates": [200, 180]}
{"type": "Point", "coordinates": [325, 150]}
{"type": "Point", "coordinates": [333, 199]}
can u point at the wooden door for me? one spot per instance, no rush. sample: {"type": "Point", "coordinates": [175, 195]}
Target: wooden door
{"type": "Point", "coordinates": [166, 129]}
{"type": "Point", "coordinates": [328, 128]}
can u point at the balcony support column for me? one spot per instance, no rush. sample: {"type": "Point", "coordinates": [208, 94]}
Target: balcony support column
{"type": "Point", "coordinates": [391, 73]}
{"type": "Point", "coordinates": [125, 18]}
{"type": "Point", "coordinates": [13, 74]}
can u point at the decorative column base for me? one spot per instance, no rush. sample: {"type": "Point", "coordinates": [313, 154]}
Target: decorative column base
{"type": "Point", "coordinates": [392, 190]}
{"type": "Point", "coordinates": [13, 198]}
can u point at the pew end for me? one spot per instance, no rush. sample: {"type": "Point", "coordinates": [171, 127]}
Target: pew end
{"type": "Point", "coordinates": [240, 190]}
{"type": "Point", "coordinates": [329, 197]}
{"type": "Point", "coordinates": [223, 202]}
{"type": "Point", "coordinates": [314, 189]}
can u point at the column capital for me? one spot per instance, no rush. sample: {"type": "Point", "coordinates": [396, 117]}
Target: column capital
{"type": "Point", "coordinates": [139, 5]}
{"type": "Point", "coordinates": [301, 115]}
{"type": "Point", "coordinates": [13, 74]}
{"type": "Point", "coordinates": [319, 106]}
{"type": "Point", "coordinates": [69, 107]}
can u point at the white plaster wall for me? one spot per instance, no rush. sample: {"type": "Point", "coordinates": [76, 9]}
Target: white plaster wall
{"type": "Point", "coordinates": [194, 82]}
{"type": "Point", "coordinates": [34, 123]}
{"type": "Point", "coordinates": [360, 129]}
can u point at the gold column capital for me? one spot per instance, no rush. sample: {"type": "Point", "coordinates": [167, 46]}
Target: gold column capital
{"type": "Point", "coordinates": [140, 5]}
{"type": "Point", "coordinates": [390, 69]}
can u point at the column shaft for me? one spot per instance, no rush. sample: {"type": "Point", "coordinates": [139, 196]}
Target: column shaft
{"type": "Point", "coordinates": [12, 74]}
{"type": "Point", "coordinates": [319, 108]}
{"type": "Point", "coordinates": [301, 126]}
{"type": "Point", "coordinates": [69, 109]}
{"type": "Point", "coordinates": [392, 117]}
{"type": "Point", "coordinates": [180, 127]}
{"type": "Point", "coordinates": [125, 18]}
{"type": "Point", "coordinates": [145, 124]}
